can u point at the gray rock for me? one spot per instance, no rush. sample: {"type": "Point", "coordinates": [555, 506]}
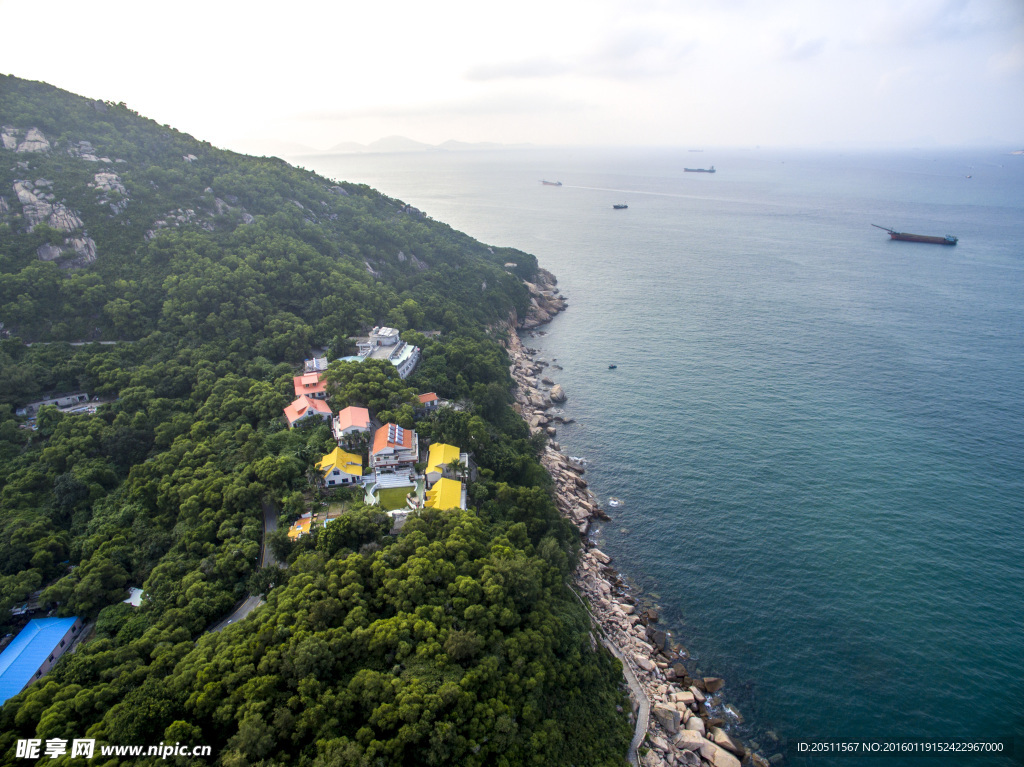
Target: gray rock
{"type": "Point", "coordinates": [688, 740]}
{"type": "Point", "coordinates": [48, 252]}
{"type": "Point", "coordinates": [34, 141]}
{"type": "Point", "coordinates": [668, 718]}
{"type": "Point", "coordinates": [659, 743]}
{"type": "Point", "coordinates": [718, 757]}
{"type": "Point", "coordinates": [688, 759]}
{"type": "Point", "coordinates": [696, 724]}
{"type": "Point", "coordinates": [557, 394]}
{"type": "Point", "coordinates": [721, 738]}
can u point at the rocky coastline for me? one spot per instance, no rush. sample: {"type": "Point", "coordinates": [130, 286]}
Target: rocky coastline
{"type": "Point", "coordinates": [688, 717]}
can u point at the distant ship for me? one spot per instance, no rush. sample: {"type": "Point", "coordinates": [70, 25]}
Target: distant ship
{"type": "Point", "coordinates": [700, 170]}
{"type": "Point", "coordinates": [947, 240]}
{"type": "Point", "coordinates": [551, 183]}
{"type": "Point", "coordinates": [620, 206]}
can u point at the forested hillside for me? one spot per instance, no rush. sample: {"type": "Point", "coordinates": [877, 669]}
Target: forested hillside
{"type": "Point", "coordinates": [216, 274]}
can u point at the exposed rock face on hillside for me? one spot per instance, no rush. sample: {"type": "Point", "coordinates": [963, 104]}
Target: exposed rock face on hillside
{"type": "Point", "coordinates": [37, 208]}
{"type": "Point", "coordinates": [40, 204]}
{"type": "Point", "coordinates": [545, 302]}
{"type": "Point", "coordinates": [34, 141]}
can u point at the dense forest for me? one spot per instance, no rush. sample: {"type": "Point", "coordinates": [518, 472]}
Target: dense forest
{"type": "Point", "coordinates": [210, 276]}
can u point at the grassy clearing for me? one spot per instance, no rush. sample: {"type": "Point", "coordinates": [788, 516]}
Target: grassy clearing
{"type": "Point", "coordinates": [392, 498]}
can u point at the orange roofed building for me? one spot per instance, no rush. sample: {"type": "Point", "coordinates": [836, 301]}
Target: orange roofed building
{"type": "Point", "coordinates": [350, 420]}
{"type": "Point", "coordinates": [306, 407]}
{"type": "Point", "coordinates": [394, 448]}
{"type": "Point", "coordinates": [311, 385]}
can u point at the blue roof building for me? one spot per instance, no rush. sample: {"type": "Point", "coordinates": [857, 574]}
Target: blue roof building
{"type": "Point", "coordinates": [34, 651]}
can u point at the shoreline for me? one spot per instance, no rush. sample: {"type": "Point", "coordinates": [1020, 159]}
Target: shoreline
{"type": "Point", "coordinates": [686, 724]}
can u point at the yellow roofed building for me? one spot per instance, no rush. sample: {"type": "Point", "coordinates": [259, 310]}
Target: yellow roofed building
{"type": "Point", "coordinates": [446, 494]}
{"type": "Point", "coordinates": [439, 458]}
{"type": "Point", "coordinates": [340, 468]}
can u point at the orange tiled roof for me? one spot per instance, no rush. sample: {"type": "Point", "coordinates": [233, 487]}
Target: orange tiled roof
{"type": "Point", "coordinates": [358, 417]}
{"type": "Point", "coordinates": [309, 383]}
{"type": "Point", "coordinates": [300, 407]}
{"type": "Point", "coordinates": [428, 397]}
{"type": "Point", "coordinates": [393, 436]}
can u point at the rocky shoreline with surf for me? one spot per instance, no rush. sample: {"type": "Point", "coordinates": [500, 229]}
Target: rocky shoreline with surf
{"type": "Point", "coordinates": [686, 715]}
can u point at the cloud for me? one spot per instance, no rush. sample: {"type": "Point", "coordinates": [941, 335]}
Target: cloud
{"type": "Point", "coordinates": [491, 104]}
{"type": "Point", "coordinates": [1009, 61]}
{"type": "Point", "coordinates": [525, 69]}
{"type": "Point", "coordinates": [625, 54]}
{"type": "Point", "coordinates": [638, 53]}
{"type": "Point", "coordinates": [789, 48]}
{"type": "Point", "coordinates": [917, 23]}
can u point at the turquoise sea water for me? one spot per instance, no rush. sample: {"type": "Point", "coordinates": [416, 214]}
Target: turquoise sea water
{"type": "Point", "coordinates": [817, 433]}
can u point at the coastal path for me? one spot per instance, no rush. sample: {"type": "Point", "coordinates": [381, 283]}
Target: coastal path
{"type": "Point", "coordinates": [267, 559]}
{"type": "Point", "coordinates": [636, 690]}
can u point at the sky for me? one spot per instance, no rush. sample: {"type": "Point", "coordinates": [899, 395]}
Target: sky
{"type": "Point", "coordinates": [687, 73]}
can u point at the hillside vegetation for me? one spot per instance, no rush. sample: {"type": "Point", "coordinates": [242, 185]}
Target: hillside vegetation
{"type": "Point", "coordinates": [455, 642]}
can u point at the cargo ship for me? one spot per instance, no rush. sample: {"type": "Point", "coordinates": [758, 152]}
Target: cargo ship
{"type": "Point", "coordinates": [551, 183]}
{"type": "Point", "coordinates": [946, 240]}
{"type": "Point", "coordinates": [620, 206]}
{"type": "Point", "coordinates": [700, 170]}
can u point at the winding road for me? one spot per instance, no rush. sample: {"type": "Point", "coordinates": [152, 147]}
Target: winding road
{"type": "Point", "coordinates": [267, 559]}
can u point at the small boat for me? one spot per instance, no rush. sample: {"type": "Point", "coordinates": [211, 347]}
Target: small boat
{"type": "Point", "coordinates": [700, 170]}
{"type": "Point", "coordinates": [612, 367]}
{"type": "Point", "coordinates": [620, 206]}
{"type": "Point", "coordinates": [907, 237]}
{"type": "Point", "coordinates": [551, 183]}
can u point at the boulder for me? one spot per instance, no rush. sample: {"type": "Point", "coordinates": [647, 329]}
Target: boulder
{"type": "Point", "coordinates": [718, 756]}
{"type": "Point", "coordinates": [557, 394]}
{"type": "Point", "coordinates": [688, 759]}
{"type": "Point", "coordinates": [713, 684]}
{"type": "Point", "coordinates": [686, 697]}
{"type": "Point", "coordinates": [759, 761]}
{"type": "Point", "coordinates": [696, 724]}
{"type": "Point", "coordinates": [658, 637]}
{"type": "Point", "coordinates": [643, 663]}
{"type": "Point", "coordinates": [668, 718]}
{"type": "Point", "coordinates": [600, 556]}
{"type": "Point", "coordinates": [697, 694]}
{"type": "Point", "coordinates": [658, 742]}
{"type": "Point", "coordinates": [721, 738]}
{"type": "Point", "coordinates": [688, 740]}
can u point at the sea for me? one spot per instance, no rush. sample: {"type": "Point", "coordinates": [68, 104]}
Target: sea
{"type": "Point", "coordinates": [811, 446]}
